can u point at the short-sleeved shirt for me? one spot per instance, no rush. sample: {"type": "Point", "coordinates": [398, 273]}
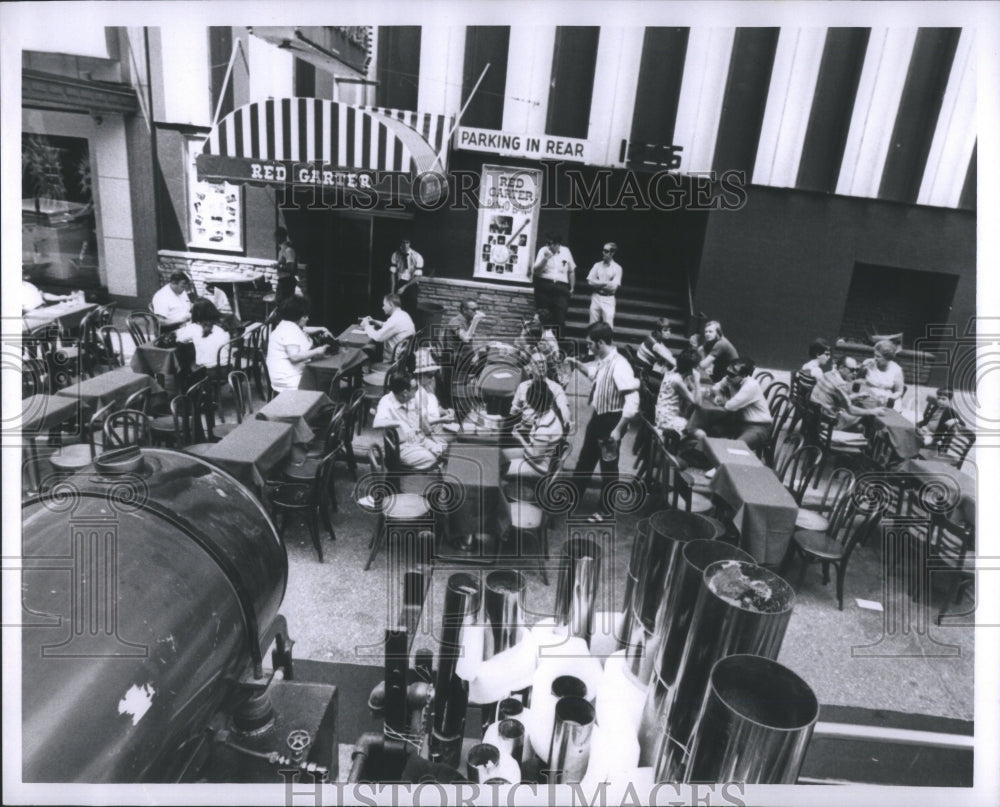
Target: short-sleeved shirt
{"type": "Point", "coordinates": [557, 267]}
{"type": "Point", "coordinates": [172, 307]}
{"type": "Point", "coordinates": [404, 265]}
{"type": "Point", "coordinates": [284, 373]}
{"type": "Point", "coordinates": [206, 348]}
{"type": "Point", "coordinates": [615, 385]}
{"type": "Point", "coordinates": [601, 272]}
{"type": "Point", "coordinates": [723, 352]}
{"type": "Point", "coordinates": [519, 405]}
{"type": "Point", "coordinates": [31, 297]}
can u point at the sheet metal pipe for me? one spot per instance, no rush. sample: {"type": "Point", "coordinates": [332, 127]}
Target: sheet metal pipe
{"type": "Point", "coordinates": [569, 753]}
{"type": "Point", "coordinates": [755, 724]}
{"type": "Point", "coordinates": [741, 608]}
{"type": "Point", "coordinates": [624, 634]}
{"type": "Point", "coordinates": [482, 762]}
{"type": "Point", "coordinates": [670, 530]}
{"type": "Point", "coordinates": [451, 694]}
{"type": "Point", "coordinates": [576, 593]}
{"type": "Point", "coordinates": [503, 600]}
{"type": "Point", "coordinates": [512, 734]}
{"type": "Point", "coordinates": [673, 619]}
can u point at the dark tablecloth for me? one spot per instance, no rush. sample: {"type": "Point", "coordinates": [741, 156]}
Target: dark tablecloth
{"type": "Point", "coordinates": [354, 336]}
{"type": "Point", "coordinates": [722, 451]}
{"type": "Point", "coordinates": [68, 314]}
{"type": "Point", "coordinates": [114, 386]}
{"type": "Point", "coordinates": [960, 484]}
{"type": "Point", "coordinates": [764, 512]}
{"type": "Point", "coordinates": [320, 372]}
{"type": "Point", "coordinates": [40, 413]}
{"type": "Point", "coordinates": [295, 407]}
{"type": "Point", "coordinates": [484, 509]}
{"type": "Point", "coordinates": [251, 450]}
{"type": "Point", "coordinates": [902, 433]}
{"type": "Point", "coordinates": [708, 415]}
{"type": "Point", "coordinates": [169, 365]}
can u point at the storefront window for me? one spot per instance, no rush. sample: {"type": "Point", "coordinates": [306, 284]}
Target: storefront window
{"type": "Point", "coordinates": [58, 228]}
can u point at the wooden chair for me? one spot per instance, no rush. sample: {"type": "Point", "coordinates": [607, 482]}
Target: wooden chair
{"type": "Point", "coordinates": [391, 508]}
{"type": "Point", "coordinates": [955, 447]}
{"type": "Point", "coordinates": [816, 516]}
{"type": "Point", "coordinates": [799, 470]}
{"type": "Point", "coordinates": [127, 427]}
{"type": "Point", "coordinates": [781, 411]}
{"type": "Point", "coordinates": [835, 545]}
{"type": "Point", "coordinates": [143, 326]}
{"type": "Point", "coordinates": [678, 488]}
{"type": "Point", "coordinates": [950, 544]}
{"type": "Point", "coordinates": [239, 385]}
{"type": "Point", "coordinates": [113, 348]}
{"type": "Point", "coordinates": [74, 457]}
{"type": "Point", "coordinates": [316, 498]}
{"type": "Point", "coordinates": [763, 377]}
{"type": "Point", "coordinates": [328, 439]}
{"type": "Point", "coordinates": [775, 388]}
{"type": "Point", "coordinates": [139, 400]}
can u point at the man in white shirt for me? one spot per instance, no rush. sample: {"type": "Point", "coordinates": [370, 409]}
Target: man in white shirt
{"type": "Point", "coordinates": [615, 398]}
{"type": "Point", "coordinates": [172, 304]}
{"type": "Point", "coordinates": [32, 297]}
{"type": "Point", "coordinates": [406, 266]}
{"type": "Point", "coordinates": [397, 326]}
{"type": "Point", "coordinates": [397, 409]}
{"type": "Point", "coordinates": [554, 277]}
{"type": "Point", "coordinates": [605, 278]}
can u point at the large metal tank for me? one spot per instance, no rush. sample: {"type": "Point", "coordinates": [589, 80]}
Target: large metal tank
{"type": "Point", "coordinates": [148, 593]}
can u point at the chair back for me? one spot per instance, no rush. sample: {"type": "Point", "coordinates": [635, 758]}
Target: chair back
{"type": "Point", "coordinates": [775, 388]}
{"type": "Point", "coordinates": [800, 470]}
{"type": "Point", "coordinates": [143, 326]}
{"type": "Point", "coordinates": [187, 425]}
{"type": "Point", "coordinates": [239, 383]}
{"type": "Point", "coordinates": [352, 411]}
{"type": "Point", "coordinates": [878, 452]}
{"type": "Point", "coordinates": [127, 427]}
{"type": "Point", "coordinates": [138, 400]}
{"type": "Point", "coordinates": [95, 428]}
{"type": "Point", "coordinates": [763, 377]}
{"type": "Point", "coordinates": [203, 401]}
{"type": "Point", "coordinates": [839, 486]}
{"type": "Point", "coordinates": [679, 487]}
{"type": "Point", "coordinates": [956, 445]}
{"type": "Point", "coordinates": [781, 411]}
{"type": "Point", "coordinates": [113, 349]}
{"type": "Point", "coordinates": [802, 386]}
{"type": "Point", "coordinates": [390, 443]}
{"type": "Point", "coordinates": [333, 430]}
{"type": "Point", "coordinates": [785, 451]}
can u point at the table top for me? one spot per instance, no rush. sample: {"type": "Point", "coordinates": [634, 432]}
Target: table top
{"type": "Point", "coordinates": [319, 372]}
{"type": "Point", "coordinates": [730, 452]}
{"type": "Point", "coordinates": [499, 380]}
{"type": "Point", "coordinates": [475, 464]}
{"type": "Point", "coordinates": [960, 481]}
{"type": "Point", "coordinates": [252, 449]}
{"type": "Point", "coordinates": [40, 412]}
{"type": "Point", "coordinates": [148, 358]}
{"type": "Point", "coordinates": [354, 335]}
{"type": "Point", "coordinates": [295, 407]}
{"type": "Point", "coordinates": [115, 385]}
{"type": "Point", "coordinates": [47, 314]}
{"type": "Point", "coordinates": [901, 432]}
{"type": "Point", "coordinates": [764, 511]}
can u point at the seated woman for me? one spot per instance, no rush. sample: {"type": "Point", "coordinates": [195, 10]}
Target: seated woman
{"type": "Point", "coordinates": [540, 440]}
{"type": "Point", "coordinates": [519, 405]}
{"type": "Point", "coordinates": [883, 377]}
{"type": "Point", "coordinates": [398, 409]}
{"type": "Point", "coordinates": [207, 334]}
{"type": "Point", "coordinates": [680, 390]}
{"type": "Point", "coordinates": [289, 346]}
{"type": "Point", "coordinates": [740, 394]}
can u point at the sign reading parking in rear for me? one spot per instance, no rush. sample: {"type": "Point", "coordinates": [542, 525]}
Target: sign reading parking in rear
{"type": "Point", "coordinates": [513, 144]}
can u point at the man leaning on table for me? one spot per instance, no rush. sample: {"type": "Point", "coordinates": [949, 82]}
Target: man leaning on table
{"type": "Point", "coordinates": [834, 396]}
{"type": "Point", "coordinates": [32, 297]}
{"type": "Point", "coordinates": [615, 398]}
{"type": "Point", "coordinates": [172, 303]}
{"type": "Point", "coordinates": [397, 326]}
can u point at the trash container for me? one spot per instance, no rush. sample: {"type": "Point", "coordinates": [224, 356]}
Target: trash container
{"type": "Point", "coordinates": [429, 317]}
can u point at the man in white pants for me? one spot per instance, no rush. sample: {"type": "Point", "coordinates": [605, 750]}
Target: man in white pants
{"type": "Point", "coordinates": [605, 277]}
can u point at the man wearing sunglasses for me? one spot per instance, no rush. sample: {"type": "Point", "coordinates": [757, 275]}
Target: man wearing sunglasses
{"type": "Point", "coordinates": [834, 396]}
{"type": "Point", "coordinates": [605, 278]}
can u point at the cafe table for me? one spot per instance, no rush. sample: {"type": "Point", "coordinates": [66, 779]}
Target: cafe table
{"type": "Point", "coordinates": [296, 407]}
{"type": "Point", "coordinates": [40, 414]}
{"type": "Point", "coordinates": [68, 314]}
{"type": "Point", "coordinates": [111, 387]}
{"type": "Point", "coordinates": [496, 386]}
{"type": "Point", "coordinates": [959, 486]}
{"type": "Point", "coordinates": [319, 373]}
{"type": "Point", "coordinates": [482, 513]}
{"type": "Point", "coordinates": [168, 365]}
{"type": "Point", "coordinates": [722, 451]}
{"type": "Point", "coordinates": [233, 279]}
{"type": "Point", "coordinates": [354, 336]}
{"type": "Point", "coordinates": [901, 433]}
{"type": "Point", "coordinates": [763, 510]}
{"type": "Point", "coordinates": [707, 413]}
{"type": "Point", "coordinates": [251, 450]}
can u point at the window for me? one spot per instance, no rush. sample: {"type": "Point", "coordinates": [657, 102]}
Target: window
{"type": "Point", "coordinates": [305, 79]}
{"type": "Point", "coordinates": [398, 66]}
{"type": "Point", "coordinates": [485, 44]}
{"type": "Point", "coordinates": [573, 64]}
{"type": "Point", "coordinates": [220, 47]}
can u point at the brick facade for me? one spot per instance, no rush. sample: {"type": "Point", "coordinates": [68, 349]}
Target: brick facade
{"type": "Point", "coordinates": [505, 307]}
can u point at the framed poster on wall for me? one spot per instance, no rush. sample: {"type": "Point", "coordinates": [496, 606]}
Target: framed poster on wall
{"type": "Point", "coordinates": [509, 204]}
{"type": "Point", "coordinates": [214, 209]}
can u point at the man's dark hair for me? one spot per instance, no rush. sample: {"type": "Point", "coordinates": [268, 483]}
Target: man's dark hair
{"type": "Point", "coordinates": [553, 238]}
{"type": "Point", "coordinates": [687, 360]}
{"type": "Point", "coordinates": [293, 308]}
{"type": "Point", "coordinates": [204, 313]}
{"type": "Point", "coordinates": [178, 277]}
{"type": "Point", "coordinates": [400, 381]}
{"type": "Point", "coordinates": [663, 322]}
{"type": "Point", "coordinates": [280, 234]}
{"type": "Point", "coordinates": [601, 332]}
{"type": "Point", "coordinates": [743, 367]}
{"type": "Point", "coordinates": [946, 392]}
{"type": "Point", "coordinates": [818, 348]}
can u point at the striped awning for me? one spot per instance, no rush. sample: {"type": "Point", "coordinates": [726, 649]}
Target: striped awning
{"type": "Point", "coordinates": [312, 141]}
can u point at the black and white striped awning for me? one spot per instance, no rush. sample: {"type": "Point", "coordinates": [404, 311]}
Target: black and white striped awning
{"type": "Point", "coordinates": [312, 141]}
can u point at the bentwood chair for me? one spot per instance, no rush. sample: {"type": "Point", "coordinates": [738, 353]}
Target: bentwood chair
{"type": "Point", "coordinates": [799, 470]}
{"type": "Point", "coordinates": [239, 385]}
{"type": "Point", "coordinates": [72, 458]}
{"type": "Point", "coordinates": [127, 427]}
{"type": "Point", "coordinates": [316, 498]}
{"type": "Point", "coordinates": [955, 447]}
{"type": "Point", "coordinates": [816, 514]}
{"type": "Point", "coordinates": [835, 545]}
{"type": "Point", "coordinates": [143, 326]}
{"type": "Point", "coordinates": [113, 347]}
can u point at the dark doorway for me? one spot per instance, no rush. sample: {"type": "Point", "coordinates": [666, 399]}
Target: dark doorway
{"type": "Point", "coordinates": [347, 255]}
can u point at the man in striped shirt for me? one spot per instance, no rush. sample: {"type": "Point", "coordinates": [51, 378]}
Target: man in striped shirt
{"type": "Point", "coordinates": [653, 352]}
{"type": "Point", "coordinates": [615, 398]}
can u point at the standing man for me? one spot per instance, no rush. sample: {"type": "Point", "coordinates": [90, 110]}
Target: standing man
{"type": "Point", "coordinates": [405, 266]}
{"type": "Point", "coordinates": [554, 276]}
{"type": "Point", "coordinates": [605, 277]}
{"type": "Point", "coordinates": [615, 398]}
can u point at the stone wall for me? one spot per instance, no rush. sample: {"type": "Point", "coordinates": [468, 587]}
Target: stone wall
{"type": "Point", "coordinates": [505, 307]}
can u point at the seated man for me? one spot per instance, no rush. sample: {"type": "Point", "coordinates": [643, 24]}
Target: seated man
{"type": "Point", "coordinates": [834, 395]}
{"type": "Point", "coordinates": [939, 418]}
{"type": "Point", "coordinates": [397, 409]}
{"type": "Point", "coordinates": [819, 359]}
{"type": "Point", "coordinates": [459, 338]}
{"type": "Point", "coordinates": [441, 422]}
{"type": "Point", "coordinates": [32, 297]}
{"type": "Point", "coordinates": [719, 352]}
{"type": "Point", "coordinates": [740, 393]}
{"type": "Point", "coordinates": [397, 326]}
{"type": "Point", "coordinates": [653, 353]}
{"type": "Point", "coordinates": [537, 336]}
{"type": "Point", "coordinates": [172, 303]}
